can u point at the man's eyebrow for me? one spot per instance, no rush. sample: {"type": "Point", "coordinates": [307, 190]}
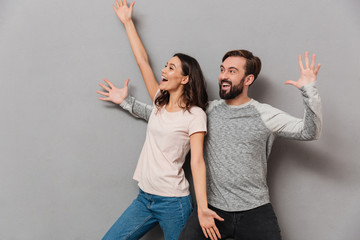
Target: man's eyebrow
{"type": "Point", "coordinates": [233, 68]}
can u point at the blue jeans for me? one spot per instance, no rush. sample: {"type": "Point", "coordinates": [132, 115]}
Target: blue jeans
{"type": "Point", "coordinates": [148, 210]}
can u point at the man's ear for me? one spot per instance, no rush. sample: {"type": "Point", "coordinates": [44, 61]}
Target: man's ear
{"type": "Point", "coordinates": [185, 80]}
{"type": "Point", "coordinates": [249, 79]}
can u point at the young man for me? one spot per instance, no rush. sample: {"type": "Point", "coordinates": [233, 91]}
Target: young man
{"type": "Point", "coordinates": [240, 135]}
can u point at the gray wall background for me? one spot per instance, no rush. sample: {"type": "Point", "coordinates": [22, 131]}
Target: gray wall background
{"type": "Point", "coordinates": [67, 159]}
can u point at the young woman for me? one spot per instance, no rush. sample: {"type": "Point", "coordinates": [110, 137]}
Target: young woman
{"type": "Point", "coordinates": [176, 123]}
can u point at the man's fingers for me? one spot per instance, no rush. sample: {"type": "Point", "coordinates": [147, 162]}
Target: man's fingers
{"type": "Point", "coordinates": [290, 82]}
{"type": "Point", "coordinates": [301, 63]}
{"type": "Point", "coordinates": [103, 93]}
{"type": "Point", "coordinates": [307, 65]}
{"type": "Point", "coordinates": [313, 62]}
{"type": "Point", "coordinates": [104, 87]}
{"type": "Point", "coordinates": [104, 99]}
{"type": "Point", "coordinates": [126, 84]}
{"type": "Point", "coordinates": [317, 69]}
{"type": "Point", "coordinates": [109, 83]}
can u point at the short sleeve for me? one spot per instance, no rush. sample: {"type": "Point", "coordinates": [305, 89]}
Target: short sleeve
{"type": "Point", "coordinates": [198, 121]}
{"type": "Point", "coordinates": [158, 92]}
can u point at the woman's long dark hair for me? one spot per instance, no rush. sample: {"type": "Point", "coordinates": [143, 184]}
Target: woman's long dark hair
{"type": "Point", "coordinates": [194, 91]}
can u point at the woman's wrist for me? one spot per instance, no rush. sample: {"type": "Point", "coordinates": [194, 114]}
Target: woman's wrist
{"type": "Point", "coordinates": [202, 207]}
{"type": "Point", "coordinates": [128, 23]}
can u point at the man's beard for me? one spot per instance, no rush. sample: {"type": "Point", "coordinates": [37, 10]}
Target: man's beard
{"type": "Point", "coordinates": [234, 90]}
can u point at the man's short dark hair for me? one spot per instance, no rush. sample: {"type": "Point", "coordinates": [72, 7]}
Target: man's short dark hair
{"type": "Point", "coordinates": [253, 63]}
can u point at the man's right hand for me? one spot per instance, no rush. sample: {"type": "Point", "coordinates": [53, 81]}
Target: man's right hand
{"type": "Point", "coordinates": [114, 94]}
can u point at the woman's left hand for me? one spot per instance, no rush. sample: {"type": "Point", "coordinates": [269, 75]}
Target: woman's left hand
{"type": "Point", "coordinates": [207, 222]}
{"type": "Point", "coordinates": [122, 10]}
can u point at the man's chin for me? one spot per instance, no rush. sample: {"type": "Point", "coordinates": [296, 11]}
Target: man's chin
{"type": "Point", "coordinates": [225, 94]}
{"type": "Point", "coordinates": [228, 94]}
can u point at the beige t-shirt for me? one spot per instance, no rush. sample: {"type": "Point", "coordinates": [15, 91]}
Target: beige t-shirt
{"type": "Point", "coordinates": [159, 169]}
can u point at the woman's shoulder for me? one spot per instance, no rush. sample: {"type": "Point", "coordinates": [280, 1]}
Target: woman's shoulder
{"type": "Point", "coordinates": [196, 111]}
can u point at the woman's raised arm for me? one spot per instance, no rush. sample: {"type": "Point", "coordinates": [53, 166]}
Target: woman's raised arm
{"type": "Point", "coordinates": [125, 15]}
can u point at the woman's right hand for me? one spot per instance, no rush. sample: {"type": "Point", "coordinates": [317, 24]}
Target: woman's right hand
{"type": "Point", "coordinates": [122, 10]}
{"type": "Point", "coordinates": [207, 222]}
{"type": "Point", "coordinates": [114, 94]}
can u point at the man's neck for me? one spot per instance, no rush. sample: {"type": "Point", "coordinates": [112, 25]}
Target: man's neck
{"type": "Point", "coordinates": [239, 100]}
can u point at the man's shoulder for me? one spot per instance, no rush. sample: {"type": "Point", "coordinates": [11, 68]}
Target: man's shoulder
{"type": "Point", "coordinates": [264, 108]}
{"type": "Point", "coordinates": [213, 104]}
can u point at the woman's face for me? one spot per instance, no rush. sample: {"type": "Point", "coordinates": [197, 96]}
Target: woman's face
{"type": "Point", "coordinates": [172, 75]}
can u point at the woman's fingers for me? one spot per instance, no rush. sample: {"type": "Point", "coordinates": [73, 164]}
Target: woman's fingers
{"type": "Point", "coordinates": [117, 4]}
{"type": "Point", "coordinates": [212, 234]}
{"type": "Point", "coordinates": [205, 233]}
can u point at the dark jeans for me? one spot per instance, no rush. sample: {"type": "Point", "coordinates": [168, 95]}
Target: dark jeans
{"type": "Point", "coordinates": [256, 224]}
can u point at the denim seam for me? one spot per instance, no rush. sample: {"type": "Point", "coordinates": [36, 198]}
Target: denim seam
{"type": "Point", "coordinates": [190, 202]}
{"type": "Point", "coordinates": [139, 226]}
{"type": "Point", "coordinates": [182, 212]}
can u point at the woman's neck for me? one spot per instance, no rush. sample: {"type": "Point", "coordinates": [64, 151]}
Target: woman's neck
{"type": "Point", "coordinates": [176, 102]}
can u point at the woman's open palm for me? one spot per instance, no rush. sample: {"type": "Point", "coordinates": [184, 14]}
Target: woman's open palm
{"type": "Point", "coordinates": [123, 11]}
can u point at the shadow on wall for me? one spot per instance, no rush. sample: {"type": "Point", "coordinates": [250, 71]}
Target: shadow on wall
{"type": "Point", "coordinates": [304, 156]}
{"type": "Point", "coordinates": [260, 89]}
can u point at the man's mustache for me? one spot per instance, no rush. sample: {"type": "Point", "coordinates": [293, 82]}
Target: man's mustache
{"type": "Point", "coordinates": [226, 81]}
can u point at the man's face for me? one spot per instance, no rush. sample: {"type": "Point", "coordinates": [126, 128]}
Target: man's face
{"type": "Point", "coordinates": [231, 77]}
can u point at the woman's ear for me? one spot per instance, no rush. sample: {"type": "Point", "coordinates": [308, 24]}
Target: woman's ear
{"type": "Point", "coordinates": [185, 80]}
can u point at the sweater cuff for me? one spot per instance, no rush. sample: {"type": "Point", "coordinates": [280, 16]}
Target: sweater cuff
{"type": "Point", "coordinates": [309, 89]}
{"type": "Point", "coordinates": [126, 104]}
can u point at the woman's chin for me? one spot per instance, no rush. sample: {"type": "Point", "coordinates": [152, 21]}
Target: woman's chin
{"type": "Point", "coordinates": [162, 86]}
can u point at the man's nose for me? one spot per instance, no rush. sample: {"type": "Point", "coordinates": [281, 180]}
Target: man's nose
{"type": "Point", "coordinates": [224, 75]}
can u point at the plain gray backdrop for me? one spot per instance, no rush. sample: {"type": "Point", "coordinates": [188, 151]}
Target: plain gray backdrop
{"type": "Point", "coordinates": [67, 159]}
